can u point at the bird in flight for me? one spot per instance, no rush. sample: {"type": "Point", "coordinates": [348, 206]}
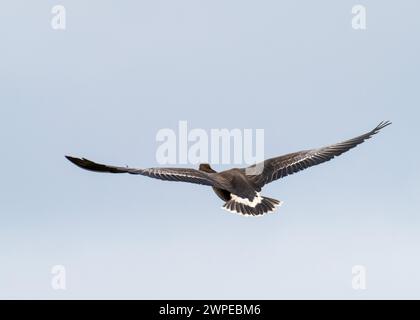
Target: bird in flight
{"type": "Point", "coordinates": [240, 188]}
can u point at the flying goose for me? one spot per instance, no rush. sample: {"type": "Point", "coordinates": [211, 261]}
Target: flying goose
{"type": "Point", "coordinates": [240, 188]}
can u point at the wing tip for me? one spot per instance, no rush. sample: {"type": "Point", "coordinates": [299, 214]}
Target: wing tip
{"type": "Point", "coordinates": [382, 125]}
{"type": "Point", "coordinates": [72, 159]}
{"type": "Point", "coordinates": [80, 162]}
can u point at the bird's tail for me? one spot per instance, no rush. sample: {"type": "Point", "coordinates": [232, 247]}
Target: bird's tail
{"type": "Point", "coordinates": [265, 206]}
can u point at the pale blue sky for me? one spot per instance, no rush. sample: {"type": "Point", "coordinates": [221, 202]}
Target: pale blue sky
{"type": "Point", "coordinates": [123, 70]}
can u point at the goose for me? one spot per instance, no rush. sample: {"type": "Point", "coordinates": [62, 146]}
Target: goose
{"type": "Point", "coordinates": [240, 188]}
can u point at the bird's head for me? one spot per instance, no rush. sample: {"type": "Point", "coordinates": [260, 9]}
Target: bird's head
{"type": "Point", "coordinates": [206, 168]}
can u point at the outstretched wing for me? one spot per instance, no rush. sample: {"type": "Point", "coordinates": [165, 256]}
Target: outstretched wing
{"type": "Point", "coordinates": [169, 174]}
{"type": "Point", "coordinates": [279, 167]}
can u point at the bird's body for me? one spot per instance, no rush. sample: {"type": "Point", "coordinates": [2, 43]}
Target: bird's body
{"type": "Point", "coordinates": [240, 188]}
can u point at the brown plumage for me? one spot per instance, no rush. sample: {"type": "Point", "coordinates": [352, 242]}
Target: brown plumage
{"type": "Point", "coordinates": [240, 188]}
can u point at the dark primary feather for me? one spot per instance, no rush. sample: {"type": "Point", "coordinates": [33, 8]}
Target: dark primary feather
{"type": "Point", "coordinates": [169, 174]}
{"type": "Point", "coordinates": [279, 167]}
